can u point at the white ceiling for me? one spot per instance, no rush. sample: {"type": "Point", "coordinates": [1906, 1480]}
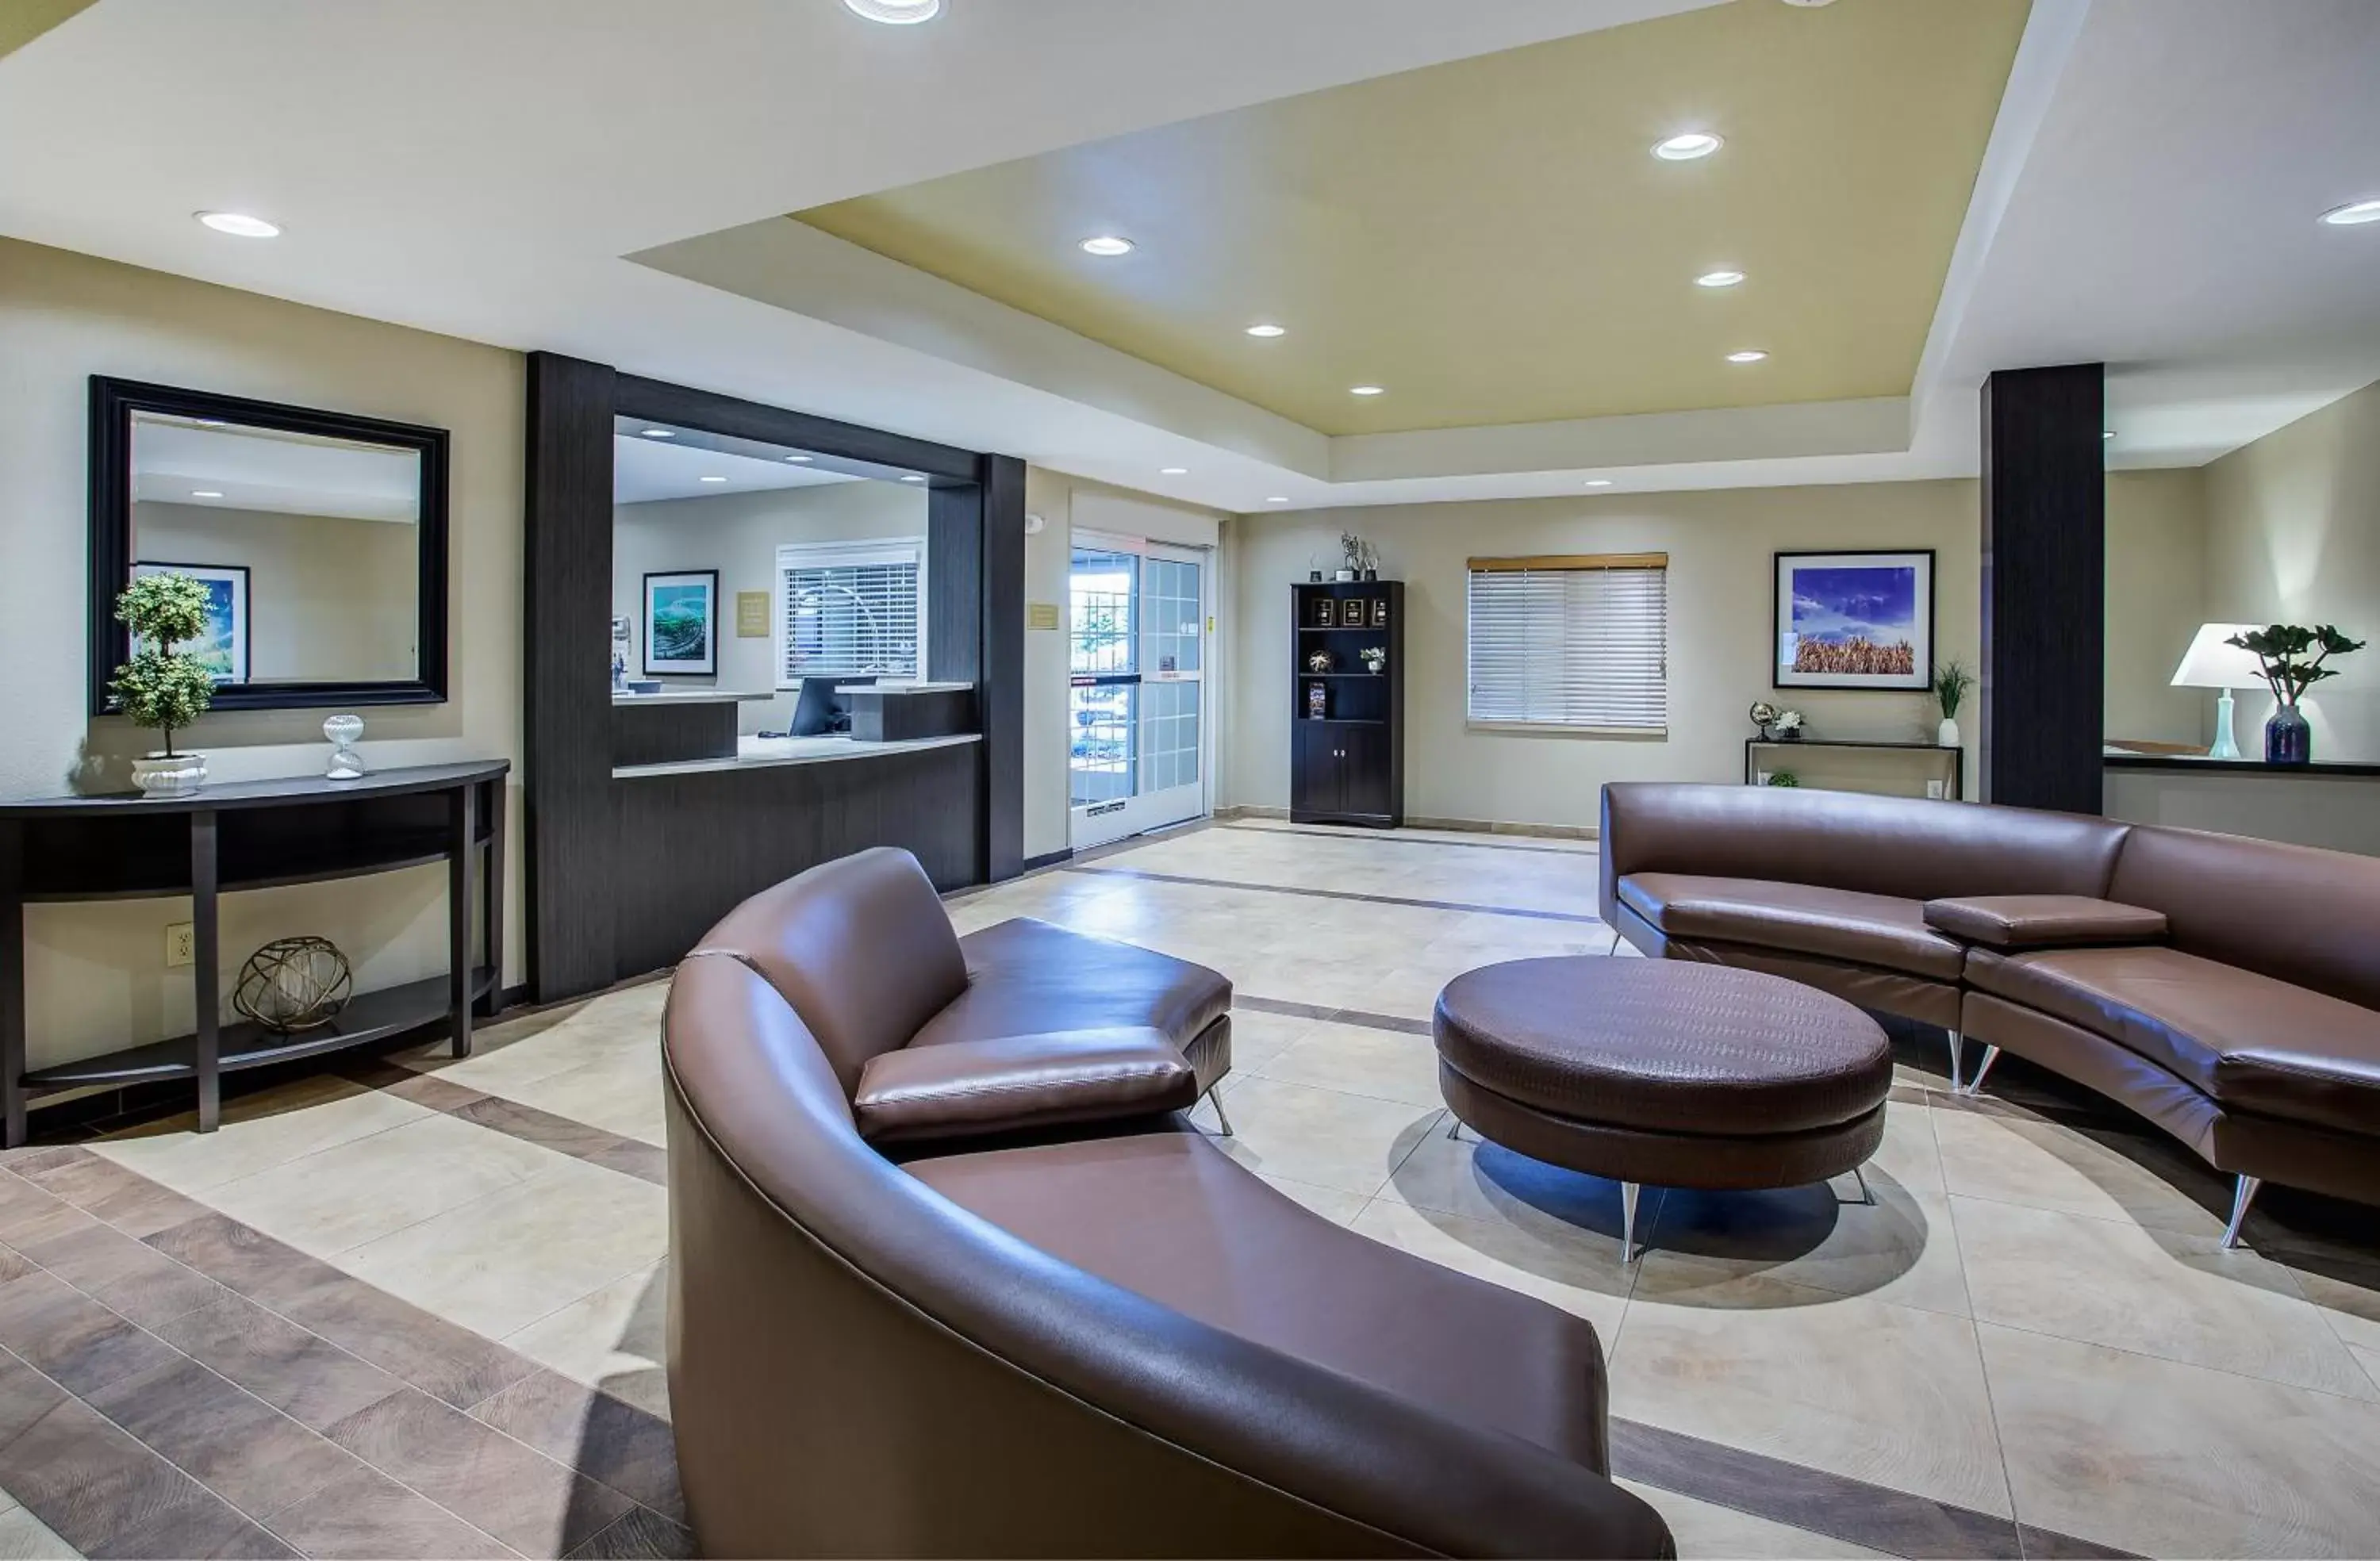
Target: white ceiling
{"type": "Point", "coordinates": [483, 170]}
{"type": "Point", "coordinates": [645, 469]}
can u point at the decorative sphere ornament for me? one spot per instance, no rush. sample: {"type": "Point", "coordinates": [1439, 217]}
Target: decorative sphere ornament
{"type": "Point", "coordinates": [294, 984]}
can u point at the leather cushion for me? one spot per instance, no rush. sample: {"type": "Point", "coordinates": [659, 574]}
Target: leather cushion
{"type": "Point", "coordinates": [1020, 1082]}
{"type": "Point", "coordinates": [1172, 1218]}
{"type": "Point", "coordinates": [1027, 978]}
{"type": "Point", "coordinates": [2246, 1041]}
{"type": "Point", "coordinates": [1663, 1045]}
{"type": "Point", "coordinates": [1871, 929]}
{"type": "Point", "coordinates": [2044, 921]}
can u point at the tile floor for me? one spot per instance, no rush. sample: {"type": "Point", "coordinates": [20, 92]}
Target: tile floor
{"type": "Point", "coordinates": [417, 1308]}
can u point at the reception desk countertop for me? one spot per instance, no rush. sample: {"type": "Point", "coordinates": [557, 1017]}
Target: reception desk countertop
{"type": "Point", "coordinates": [754, 752]}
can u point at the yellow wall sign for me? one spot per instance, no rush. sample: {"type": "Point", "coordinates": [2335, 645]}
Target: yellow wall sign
{"type": "Point", "coordinates": [751, 615]}
{"type": "Point", "coordinates": [1040, 614]}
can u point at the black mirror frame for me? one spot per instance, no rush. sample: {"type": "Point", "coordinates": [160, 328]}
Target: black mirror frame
{"type": "Point", "coordinates": [113, 402]}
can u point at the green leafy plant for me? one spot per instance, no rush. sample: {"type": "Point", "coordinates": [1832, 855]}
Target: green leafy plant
{"type": "Point", "coordinates": [1784, 778]}
{"type": "Point", "coordinates": [1952, 681]}
{"type": "Point", "coordinates": [2281, 651]}
{"type": "Point", "coordinates": [160, 685]}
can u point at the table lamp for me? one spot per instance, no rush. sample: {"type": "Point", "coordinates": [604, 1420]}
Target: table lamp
{"type": "Point", "coordinates": [2210, 663]}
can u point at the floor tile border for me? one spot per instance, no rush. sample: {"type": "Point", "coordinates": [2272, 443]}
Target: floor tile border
{"type": "Point", "coordinates": [1392, 837]}
{"type": "Point", "coordinates": [1288, 1010]}
{"type": "Point", "coordinates": [513, 1119]}
{"type": "Point", "coordinates": [54, 1160]}
{"type": "Point", "coordinates": [1875, 1517]}
{"type": "Point", "coordinates": [1572, 917]}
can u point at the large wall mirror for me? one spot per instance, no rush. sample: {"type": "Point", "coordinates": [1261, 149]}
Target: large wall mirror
{"type": "Point", "coordinates": [321, 538]}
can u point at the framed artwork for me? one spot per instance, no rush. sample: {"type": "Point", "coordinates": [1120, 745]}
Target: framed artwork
{"type": "Point", "coordinates": [682, 623]}
{"type": "Point", "coordinates": [1855, 620]}
{"type": "Point", "coordinates": [223, 646]}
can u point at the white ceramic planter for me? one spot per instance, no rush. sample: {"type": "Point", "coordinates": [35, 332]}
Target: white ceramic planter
{"type": "Point", "coordinates": [174, 775]}
{"type": "Point", "coordinates": [1947, 734]}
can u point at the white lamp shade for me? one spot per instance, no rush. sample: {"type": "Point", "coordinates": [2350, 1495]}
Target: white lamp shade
{"type": "Point", "coordinates": [2210, 663]}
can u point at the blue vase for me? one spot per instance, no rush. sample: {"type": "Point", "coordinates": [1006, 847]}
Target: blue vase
{"type": "Point", "coordinates": [2287, 738]}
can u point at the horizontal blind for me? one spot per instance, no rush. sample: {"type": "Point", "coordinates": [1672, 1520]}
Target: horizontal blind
{"type": "Point", "coordinates": [1570, 642]}
{"type": "Point", "coordinates": [855, 608]}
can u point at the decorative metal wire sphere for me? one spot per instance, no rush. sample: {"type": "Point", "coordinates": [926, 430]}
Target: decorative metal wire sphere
{"type": "Point", "coordinates": [294, 984]}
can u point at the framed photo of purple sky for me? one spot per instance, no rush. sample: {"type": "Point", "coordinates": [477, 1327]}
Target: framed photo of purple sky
{"type": "Point", "coordinates": [1856, 620]}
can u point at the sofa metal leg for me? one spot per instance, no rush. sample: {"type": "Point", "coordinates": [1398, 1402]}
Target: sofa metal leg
{"type": "Point", "coordinates": [1975, 1084]}
{"type": "Point", "coordinates": [2242, 1195]}
{"type": "Point", "coordinates": [1628, 1190]}
{"type": "Point", "coordinates": [1215, 1098]}
{"type": "Point", "coordinates": [1454, 1127]}
{"type": "Point", "coordinates": [1957, 1051]}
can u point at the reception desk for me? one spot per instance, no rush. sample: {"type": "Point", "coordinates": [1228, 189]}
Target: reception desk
{"type": "Point", "coordinates": [2334, 806]}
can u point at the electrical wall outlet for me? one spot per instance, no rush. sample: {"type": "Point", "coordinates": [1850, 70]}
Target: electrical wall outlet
{"type": "Point", "coordinates": [180, 944]}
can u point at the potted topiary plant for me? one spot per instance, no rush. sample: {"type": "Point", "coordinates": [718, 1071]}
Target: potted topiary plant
{"type": "Point", "coordinates": [1951, 680]}
{"type": "Point", "coordinates": [2280, 651]}
{"type": "Point", "coordinates": [160, 685]}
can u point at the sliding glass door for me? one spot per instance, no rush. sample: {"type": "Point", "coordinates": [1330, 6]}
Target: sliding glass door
{"type": "Point", "coordinates": [1138, 653]}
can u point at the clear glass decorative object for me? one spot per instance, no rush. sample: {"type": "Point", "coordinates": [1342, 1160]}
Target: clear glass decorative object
{"type": "Point", "coordinates": [346, 763]}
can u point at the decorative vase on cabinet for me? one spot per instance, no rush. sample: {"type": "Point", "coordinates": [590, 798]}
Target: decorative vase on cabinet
{"type": "Point", "coordinates": [2288, 738]}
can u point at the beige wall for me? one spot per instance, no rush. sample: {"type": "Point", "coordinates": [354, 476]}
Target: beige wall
{"type": "Point", "coordinates": [96, 972]}
{"type": "Point", "coordinates": [738, 533]}
{"type": "Point", "coordinates": [330, 599]}
{"type": "Point", "coordinates": [2157, 599]}
{"type": "Point", "coordinates": [1718, 545]}
{"type": "Point", "coordinates": [2293, 536]}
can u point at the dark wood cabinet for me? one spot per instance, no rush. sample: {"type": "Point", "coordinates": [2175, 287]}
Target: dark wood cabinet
{"type": "Point", "coordinates": [1347, 719]}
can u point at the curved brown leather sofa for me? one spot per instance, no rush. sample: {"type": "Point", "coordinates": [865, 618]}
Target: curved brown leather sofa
{"type": "Point", "coordinates": [1101, 1337]}
{"type": "Point", "coordinates": [2227, 989]}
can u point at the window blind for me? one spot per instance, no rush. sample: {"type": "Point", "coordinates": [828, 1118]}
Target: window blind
{"type": "Point", "coordinates": [1579, 641]}
{"type": "Point", "coordinates": [856, 606]}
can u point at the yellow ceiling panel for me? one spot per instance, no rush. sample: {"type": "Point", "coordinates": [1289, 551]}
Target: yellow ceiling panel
{"type": "Point", "coordinates": [1493, 241]}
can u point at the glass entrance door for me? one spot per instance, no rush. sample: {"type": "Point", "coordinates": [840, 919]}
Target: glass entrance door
{"type": "Point", "coordinates": [1137, 655]}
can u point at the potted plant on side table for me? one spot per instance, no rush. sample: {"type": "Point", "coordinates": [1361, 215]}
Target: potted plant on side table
{"type": "Point", "coordinates": [160, 685]}
{"type": "Point", "coordinates": [1951, 680]}
{"type": "Point", "coordinates": [2280, 651]}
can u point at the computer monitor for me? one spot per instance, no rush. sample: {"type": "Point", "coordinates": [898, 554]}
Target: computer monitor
{"type": "Point", "coordinates": [822, 710]}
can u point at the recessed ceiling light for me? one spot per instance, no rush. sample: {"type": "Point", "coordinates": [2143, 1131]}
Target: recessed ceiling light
{"type": "Point", "coordinates": [799, 460]}
{"type": "Point", "coordinates": [1749, 354]}
{"type": "Point", "coordinates": [1686, 148]}
{"type": "Point", "coordinates": [239, 224]}
{"type": "Point", "coordinates": [1106, 244]}
{"type": "Point", "coordinates": [1367, 389]}
{"type": "Point", "coordinates": [1268, 332]}
{"type": "Point", "coordinates": [1598, 482]}
{"type": "Point", "coordinates": [714, 480]}
{"type": "Point", "coordinates": [205, 493]}
{"type": "Point", "coordinates": [2355, 213]}
{"type": "Point", "coordinates": [1718, 279]}
{"type": "Point", "coordinates": [900, 13]}
{"type": "Point", "coordinates": [1173, 471]}
{"type": "Point", "coordinates": [1278, 499]}
{"type": "Point", "coordinates": [911, 477]}
{"type": "Point", "coordinates": [660, 433]}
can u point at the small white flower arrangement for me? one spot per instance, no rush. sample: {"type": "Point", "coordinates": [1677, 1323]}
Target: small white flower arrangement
{"type": "Point", "coordinates": [1789, 725]}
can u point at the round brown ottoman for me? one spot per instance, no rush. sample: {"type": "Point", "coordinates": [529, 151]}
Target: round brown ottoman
{"type": "Point", "coordinates": [1662, 1071]}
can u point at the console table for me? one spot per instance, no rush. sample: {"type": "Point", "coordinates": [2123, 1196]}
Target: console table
{"type": "Point", "coordinates": [1951, 780]}
{"type": "Point", "coordinates": [254, 834]}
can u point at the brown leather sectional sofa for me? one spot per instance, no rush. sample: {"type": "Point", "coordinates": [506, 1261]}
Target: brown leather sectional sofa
{"type": "Point", "coordinates": [2227, 989]}
{"type": "Point", "coordinates": [951, 1275]}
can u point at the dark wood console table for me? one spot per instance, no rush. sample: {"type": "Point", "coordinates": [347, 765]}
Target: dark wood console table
{"type": "Point", "coordinates": [254, 834]}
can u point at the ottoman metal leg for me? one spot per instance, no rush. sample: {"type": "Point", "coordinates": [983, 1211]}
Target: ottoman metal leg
{"type": "Point", "coordinates": [1867, 1193]}
{"type": "Point", "coordinates": [1215, 1099]}
{"type": "Point", "coordinates": [1454, 1127]}
{"type": "Point", "coordinates": [1628, 1190]}
{"type": "Point", "coordinates": [1958, 1050]}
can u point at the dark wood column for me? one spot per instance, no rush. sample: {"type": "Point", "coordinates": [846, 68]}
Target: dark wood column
{"type": "Point", "coordinates": [566, 784]}
{"type": "Point", "coordinates": [1001, 690]}
{"type": "Point", "coordinates": [2045, 583]}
